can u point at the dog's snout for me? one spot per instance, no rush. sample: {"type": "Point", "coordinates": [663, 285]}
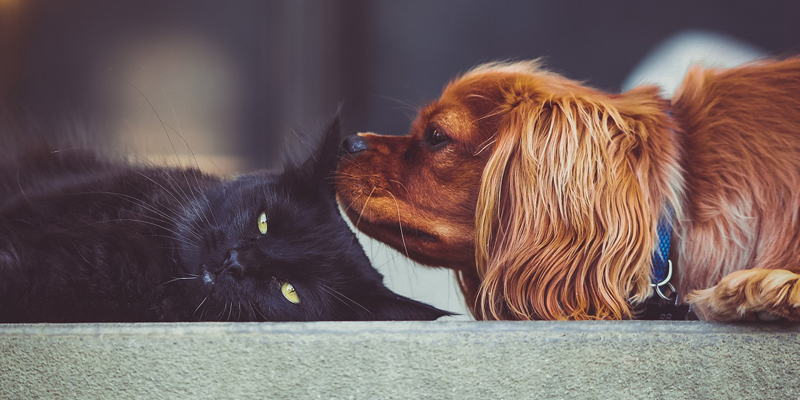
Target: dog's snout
{"type": "Point", "coordinates": [354, 144]}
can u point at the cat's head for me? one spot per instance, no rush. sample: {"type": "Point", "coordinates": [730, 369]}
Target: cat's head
{"type": "Point", "coordinates": [275, 247]}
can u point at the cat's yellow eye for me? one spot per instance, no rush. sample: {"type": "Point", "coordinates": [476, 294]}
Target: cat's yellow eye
{"type": "Point", "coordinates": [288, 291]}
{"type": "Point", "coordinates": [262, 223]}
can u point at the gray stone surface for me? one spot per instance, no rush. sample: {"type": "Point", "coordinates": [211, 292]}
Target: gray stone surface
{"type": "Point", "coordinates": [419, 360]}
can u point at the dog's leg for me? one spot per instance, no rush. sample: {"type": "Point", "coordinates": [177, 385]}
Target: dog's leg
{"type": "Point", "coordinates": [751, 295]}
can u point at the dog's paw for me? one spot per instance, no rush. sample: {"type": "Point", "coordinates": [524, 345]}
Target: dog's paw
{"type": "Point", "coordinates": [751, 295]}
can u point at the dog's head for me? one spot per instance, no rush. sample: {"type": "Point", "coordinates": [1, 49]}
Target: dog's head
{"type": "Point", "coordinates": [541, 192]}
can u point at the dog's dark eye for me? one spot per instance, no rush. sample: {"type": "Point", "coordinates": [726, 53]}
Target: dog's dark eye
{"type": "Point", "coordinates": [434, 136]}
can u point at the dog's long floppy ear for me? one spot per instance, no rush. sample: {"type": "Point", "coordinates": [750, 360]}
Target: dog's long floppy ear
{"type": "Point", "coordinates": [565, 226]}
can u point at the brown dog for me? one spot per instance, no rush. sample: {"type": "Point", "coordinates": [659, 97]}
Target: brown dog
{"type": "Point", "coordinates": [545, 194]}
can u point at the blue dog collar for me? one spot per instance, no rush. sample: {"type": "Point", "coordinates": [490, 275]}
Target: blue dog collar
{"type": "Point", "coordinates": [662, 266]}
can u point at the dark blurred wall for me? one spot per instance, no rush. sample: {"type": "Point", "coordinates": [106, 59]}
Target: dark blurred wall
{"type": "Point", "coordinates": [414, 47]}
{"type": "Point", "coordinates": [248, 72]}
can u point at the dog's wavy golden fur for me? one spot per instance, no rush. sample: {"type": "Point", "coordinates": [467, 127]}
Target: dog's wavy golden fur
{"type": "Point", "coordinates": [544, 194]}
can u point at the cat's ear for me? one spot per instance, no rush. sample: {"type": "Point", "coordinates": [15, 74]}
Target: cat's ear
{"type": "Point", "coordinates": [318, 169]}
{"type": "Point", "coordinates": [326, 157]}
{"type": "Point", "coordinates": [388, 306]}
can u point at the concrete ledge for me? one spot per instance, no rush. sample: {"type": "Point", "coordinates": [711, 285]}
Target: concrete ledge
{"type": "Point", "coordinates": [376, 360]}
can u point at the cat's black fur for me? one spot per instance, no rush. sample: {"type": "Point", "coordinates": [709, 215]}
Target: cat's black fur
{"type": "Point", "coordinates": [84, 239]}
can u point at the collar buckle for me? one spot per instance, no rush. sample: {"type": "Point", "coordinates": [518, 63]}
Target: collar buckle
{"type": "Point", "coordinates": [673, 296]}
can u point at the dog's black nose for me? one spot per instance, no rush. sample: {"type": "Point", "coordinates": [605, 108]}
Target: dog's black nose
{"type": "Point", "coordinates": [354, 144]}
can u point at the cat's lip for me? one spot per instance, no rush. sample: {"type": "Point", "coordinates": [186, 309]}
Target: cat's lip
{"type": "Point", "coordinates": [208, 277]}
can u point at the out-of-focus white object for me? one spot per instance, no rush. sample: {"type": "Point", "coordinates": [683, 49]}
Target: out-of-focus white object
{"type": "Point", "coordinates": [667, 64]}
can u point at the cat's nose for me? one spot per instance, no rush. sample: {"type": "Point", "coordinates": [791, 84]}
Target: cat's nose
{"type": "Point", "coordinates": [354, 144]}
{"type": "Point", "coordinates": [231, 265]}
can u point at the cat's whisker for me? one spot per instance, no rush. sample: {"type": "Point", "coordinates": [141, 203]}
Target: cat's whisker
{"type": "Point", "coordinates": [389, 261]}
{"type": "Point", "coordinates": [81, 254]}
{"type": "Point", "coordinates": [185, 241]}
{"type": "Point", "coordinates": [139, 221]}
{"type": "Point", "coordinates": [21, 190]}
{"type": "Point", "coordinates": [399, 222]}
{"type": "Point", "coordinates": [221, 313]}
{"type": "Point", "coordinates": [176, 236]}
{"type": "Point", "coordinates": [357, 233]}
{"type": "Point", "coordinates": [210, 209]}
{"type": "Point", "coordinates": [178, 279]}
{"type": "Point", "coordinates": [355, 238]}
{"type": "Point", "coordinates": [200, 305]}
{"type": "Point", "coordinates": [319, 308]}
{"type": "Point", "coordinates": [191, 230]}
{"type": "Point", "coordinates": [259, 312]}
{"type": "Point", "coordinates": [364, 208]}
{"type": "Point", "coordinates": [132, 200]}
{"type": "Point", "coordinates": [197, 165]}
{"type": "Point", "coordinates": [338, 281]}
{"type": "Point", "coordinates": [351, 204]}
{"type": "Point", "coordinates": [198, 209]}
{"type": "Point", "coordinates": [186, 245]}
{"type": "Point", "coordinates": [190, 208]}
{"type": "Point", "coordinates": [127, 219]}
{"type": "Point", "coordinates": [252, 313]}
{"type": "Point", "coordinates": [202, 313]}
{"type": "Point", "coordinates": [180, 192]}
{"type": "Point", "coordinates": [169, 138]}
{"type": "Point", "coordinates": [341, 296]}
{"type": "Point", "coordinates": [194, 227]}
{"type": "Point", "coordinates": [166, 247]}
{"type": "Point", "coordinates": [159, 185]}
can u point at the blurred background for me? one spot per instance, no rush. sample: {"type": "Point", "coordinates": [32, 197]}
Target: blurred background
{"type": "Point", "coordinates": [238, 78]}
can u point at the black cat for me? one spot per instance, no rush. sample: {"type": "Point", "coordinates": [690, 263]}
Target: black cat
{"type": "Point", "coordinates": [83, 239]}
